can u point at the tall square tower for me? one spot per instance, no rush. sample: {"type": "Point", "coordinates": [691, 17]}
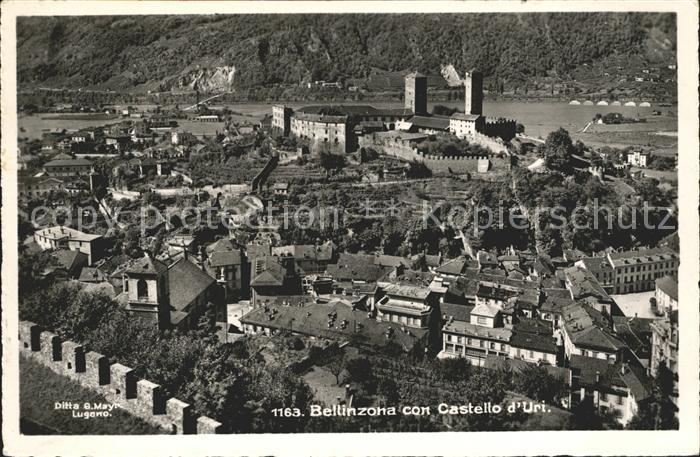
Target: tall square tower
{"type": "Point", "coordinates": [473, 93]}
{"type": "Point", "coordinates": [416, 98]}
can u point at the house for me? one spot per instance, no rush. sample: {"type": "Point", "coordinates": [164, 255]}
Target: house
{"type": "Point", "coordinates": [90, 275]}
{"type": "Point", "coordinates": [405, 304]}
{"type": "Point", "coordinates": [32, 187]}
{"type": "Point", "coordinates": [389, 262]}
{"type": "Point", "coordinates": [355, 268]}
{"type": "Point", "coordinates": [487, 260]}
{"type": "Point", "coordinates": [618, 387]}
{"type": "Point", "coordinates": [584, 286]}
{"type": "Point", "coordinates": [666, 294]}
{"type": "Point", "coordinates": [638, 159]}
{"type": "Point", "coordinates": [118, 141]}
{"type": "Point", "coordinates": [466, 125]}
{"type": "Point", "coordinates": [534, 344]}
{"type": "Point", "coordinates": [635, 332]}
{"type": "Point", "coordinates": [68, 262]}
{"type": "Point", "coordinates": [181, 137]}
{"type": "Point", "coordinates": [454, 268]}
{"type": "Point", "coordinates": [551, 308]}
{"type": "Point", "coordinates": [280, 188]}
{"type": "Point", "coordinates": [226, 262]}
{"type": "Point", "coordinates": [68, 168]}
{"type": "Point", "coordinates": [601, 268]}
{"type": "Point", "coordinates": [192, 290]}
{"type": "Point", "coordinates": [588, 333]}
{"type": "Point", "coordinates": [62, 237]}
{"type": "Point", "coordinates": [310, 258]}
{"type": "Point", "coordinates": [664, 348]}
{"type": "Point", "coordinates": [495, 293]}
{"type": "Point", "coordinates": [272, 276]}
{"type": "Point", "coordinates": [473, 342]}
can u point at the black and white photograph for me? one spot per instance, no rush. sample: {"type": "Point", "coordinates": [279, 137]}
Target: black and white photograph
{"type": "Point", "coordinates": [278, 222]}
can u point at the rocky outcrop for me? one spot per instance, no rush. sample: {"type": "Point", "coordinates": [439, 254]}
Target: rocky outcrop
{"type": "Point", "coordinates": [208, 80]}
{"type": "Point", "coordinates": [451, 76]}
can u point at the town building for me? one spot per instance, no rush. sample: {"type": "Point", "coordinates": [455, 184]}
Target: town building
{"type": "Point", "coordinates": [62, 237]}
{"type": "Point", "coordinates": [466, 125]}
{"type": "Point", "coordinates": [638, 159]}
{"type": "Point", "coordinates": [584, 286]}
{"type": "Point", "coordinates": [618, 387]}
{"type": "Point", "coordinates": [309, 258]}
{"type": "Point", "coordinates": [336, 321]}
{"type": "Point", "coordinates": [636, 271]}
{"type": "Point", "coordinates": [406, 304]}
{"type": "Point", "coordinates": [227, 263]}
{"type": "Point", "coordinates": [589, 333]}
{"type": "Point", "coordinates": [601, 268]}
{"type": "Point", "coordinates": [273, 276]}
{"type": "Point", "coordinates": [664, 348]}
{"type": "Point", "coordinates": [68, 168]}
{"type": "Point", "coordinates": [474, 342]}
{"type": "Point", "coordinates": [37, 187]}
{"type": "Point", "coordinates": [666, 294]}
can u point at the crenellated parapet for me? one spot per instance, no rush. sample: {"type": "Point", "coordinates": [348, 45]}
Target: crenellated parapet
{"type": "Point", "coordinates": [116, 382]}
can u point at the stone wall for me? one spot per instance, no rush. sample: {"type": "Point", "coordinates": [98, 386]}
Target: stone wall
{"type": "Point", "coordinates": [116, 382]}
{"type": "Point", "coordinates": [444, 164]}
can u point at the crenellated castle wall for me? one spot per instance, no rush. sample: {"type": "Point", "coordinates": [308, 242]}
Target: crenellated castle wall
{"type": "Point", "coordinates": [116, 382]}
{"type": "Point", "coordinates": [445, 164]}
{"type": "Point", "coordinates": [500, 128]}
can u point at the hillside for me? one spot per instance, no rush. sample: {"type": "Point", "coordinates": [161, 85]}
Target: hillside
{"type": "Point", "coordinates": [224, 53]}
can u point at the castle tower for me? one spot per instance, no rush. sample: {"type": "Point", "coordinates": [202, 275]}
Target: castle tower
{"type": "Point", "coordinates": [146, 285]}
{"type": "Point", "coordinates": [473, 93]}
{"type": "Point", "coordinates": [416, 98]}
{"type": "Point", "coordinates": [281, 120]}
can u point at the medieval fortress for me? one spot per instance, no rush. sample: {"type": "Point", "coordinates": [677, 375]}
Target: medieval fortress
{"type": "Point", "coordinates": [397, 131]}
{"type": "Point", "coordinates": [116, 382]}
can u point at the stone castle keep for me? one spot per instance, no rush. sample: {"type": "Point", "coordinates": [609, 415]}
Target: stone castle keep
{"type": "Point", "coordinates": [341, 128]}
{"type": "Point", "coordinates": [116, 382]}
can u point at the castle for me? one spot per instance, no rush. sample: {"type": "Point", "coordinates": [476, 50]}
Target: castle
{"type": "Point", "coordinates": [338, 128]}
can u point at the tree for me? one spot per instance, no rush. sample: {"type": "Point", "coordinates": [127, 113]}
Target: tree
{"type": "Point", "coordinates": [336, 365]}
{"type": "Point", "coordinates": [360, 370]}
{"type": "Point", "coordinates": [417, 170]}
{"type": "Point", "coordinates": [219, 385]}
{"type": "Point", "coordinates": [537, 383]}
{"type": "Point", "coordinates": [331, 162]}
{"type": "Point", "coordinates": [443, 110]}
{"type": "Point", "coordinates": [557, 150]}
{"type": "Point", "coordinates": [458, 369]}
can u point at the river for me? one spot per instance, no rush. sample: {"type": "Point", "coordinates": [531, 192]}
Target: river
{"type": "Point", "coordinates": [539, 118]}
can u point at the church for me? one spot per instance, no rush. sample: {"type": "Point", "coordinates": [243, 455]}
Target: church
{"type": "Point", "coordinates": [174, 296]}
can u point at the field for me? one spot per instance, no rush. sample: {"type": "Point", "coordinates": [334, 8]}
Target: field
{"type": "Point", "coordinates": [41, 389]}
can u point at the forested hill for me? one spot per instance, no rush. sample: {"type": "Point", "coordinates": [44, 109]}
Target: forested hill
{"type": "Point", "coordinates": [229, 52]}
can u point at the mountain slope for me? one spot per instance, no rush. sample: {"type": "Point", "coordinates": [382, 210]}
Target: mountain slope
{"type": "Point", "coordinates": [228, 52]}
